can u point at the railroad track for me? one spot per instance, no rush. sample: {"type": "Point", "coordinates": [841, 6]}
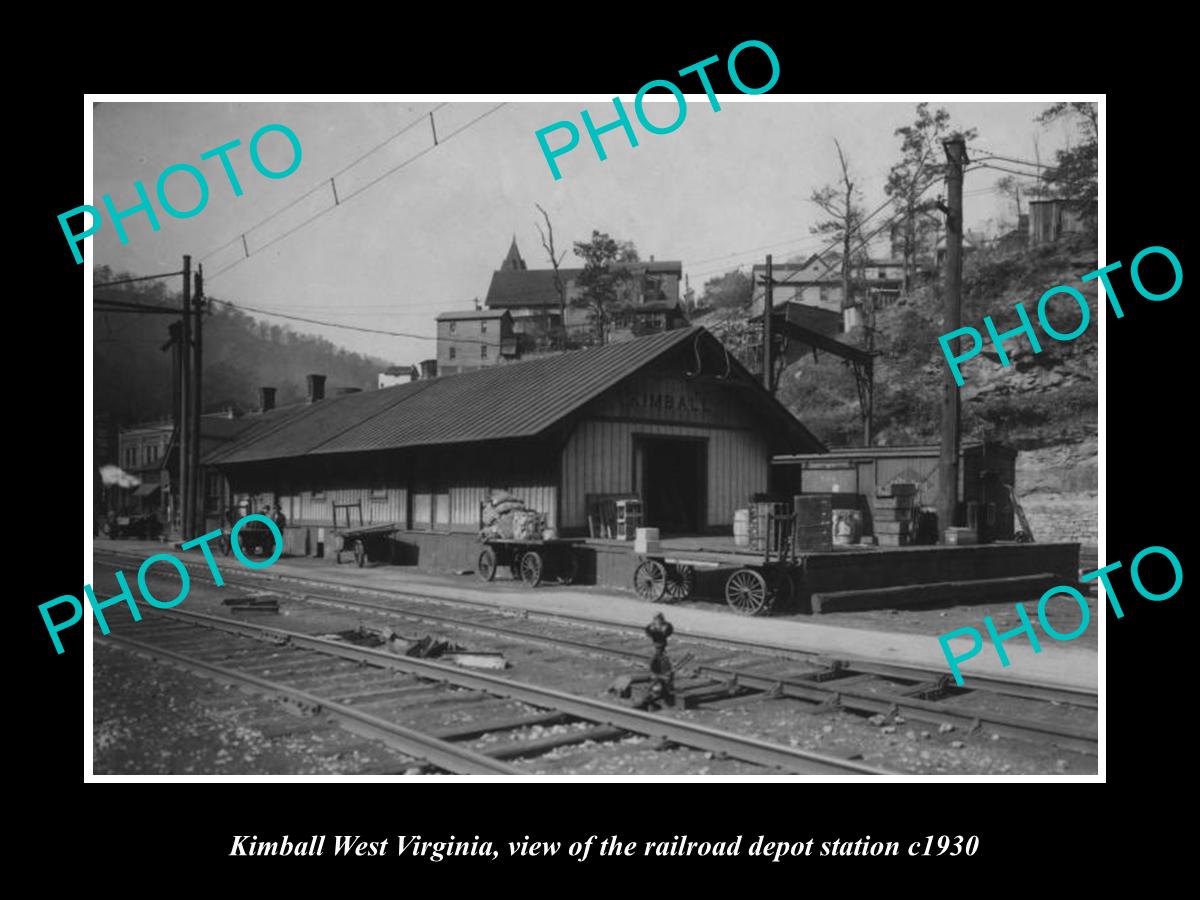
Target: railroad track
{"type": "Point", "coordinates": [377, 693]}
{"type": "Point", "coordinates": [857, 686]}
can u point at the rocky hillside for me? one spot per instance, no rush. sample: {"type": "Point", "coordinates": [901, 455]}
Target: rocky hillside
{"type": "Point", "coordinates": [1044, 404]}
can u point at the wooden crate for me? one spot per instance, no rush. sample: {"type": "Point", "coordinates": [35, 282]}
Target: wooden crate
{"type": "Point", "coordinates": [602, 514]}
{"type": "Point", "coordinates": [814, 521]}
{"type": "Point", "coordinates": [628, 519]}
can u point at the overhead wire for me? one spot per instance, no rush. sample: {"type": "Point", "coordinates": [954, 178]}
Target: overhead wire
{"type": "Point", "coordinates": [320, 184]}
{"type": "Point", "coordinates": [343, 200]}
{"type": "Point", "coordinates": [310, 321]}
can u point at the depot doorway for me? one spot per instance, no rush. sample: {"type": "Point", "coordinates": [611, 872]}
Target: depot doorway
{"type": "Point", "coordinates": [672, 478]}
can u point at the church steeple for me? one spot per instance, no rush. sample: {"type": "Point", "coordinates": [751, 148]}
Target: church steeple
{"type": "Point", "coordinates": [513, 262]}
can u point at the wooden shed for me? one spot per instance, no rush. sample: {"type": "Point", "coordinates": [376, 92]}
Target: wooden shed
{"type": "Point", "coordinates": [984, 470]}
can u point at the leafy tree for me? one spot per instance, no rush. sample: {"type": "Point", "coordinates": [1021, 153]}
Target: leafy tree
{"type": "Point", "coordinates": [602, 286]}
{"type": "Point", "coordinates": [131, 377]}
{"type": "Point", "coordinates": [922, 164]}
{"type": "Point", "coordinates": [1074, 175]}
{"type": "Point", "coordinates": [729, 291]}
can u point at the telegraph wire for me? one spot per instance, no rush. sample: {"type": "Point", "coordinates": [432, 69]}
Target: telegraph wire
{"type": "Point", "coordinates": [405, 334]}
{"type": "Point", "coordinates": [132, 280]}
{"type": "Point", "coordinates": [320, 184]}
{"type": "Point", "coordinates": [355, 193]}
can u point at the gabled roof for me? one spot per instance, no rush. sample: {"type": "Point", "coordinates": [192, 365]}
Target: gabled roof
{"type": "Point", "coordinates": [535, 287]}
{"type": "Point", "coordinates": [654, 306]}
{"type": "Point", "coordinates": [529, 287]}
{"type": "Point", "coordinates": [520, 400]}
{"type": "Point", "coordinates": [459, 315]}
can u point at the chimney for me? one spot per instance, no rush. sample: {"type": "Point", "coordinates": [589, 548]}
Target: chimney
{"type": "Point", "coordinates": [266, 399]}
{"type": "Point", "coordinates": [316, 388]}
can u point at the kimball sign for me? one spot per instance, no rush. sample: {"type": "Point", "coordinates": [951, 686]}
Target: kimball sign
{"type": "Point", "coordinates": [647, 401]}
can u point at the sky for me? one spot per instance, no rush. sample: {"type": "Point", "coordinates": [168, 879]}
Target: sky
{"type": "Point", "coordinates": [396, 249]}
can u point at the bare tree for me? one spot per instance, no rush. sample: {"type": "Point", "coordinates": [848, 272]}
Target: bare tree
{"type": "Point", "coordinates": [556, 259]}
{"type": "Point", "coordinates": [1009, 186]}
{"type": "Point", "coordinates": [841, 203]}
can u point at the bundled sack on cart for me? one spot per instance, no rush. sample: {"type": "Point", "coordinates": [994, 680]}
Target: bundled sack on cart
{"type": "Point", "coordinates": [507, 517]}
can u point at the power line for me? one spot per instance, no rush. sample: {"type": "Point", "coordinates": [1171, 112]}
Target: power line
{"type": "Point", "coordinates": [406, 334]}
{"type": "Point", "coordinates": [320, 184]}
{"type": "Point", "coordinates": [413, 124]}
{"type": "Point", "coordinates": [861, 222]}
{"type": "Point", "coordinates": [107, 305]}
{"type": "Point", "coordinates": [798, 240]}
{"type": "Point", "coordinates": [827, 247]}
{"type": "Point", "coordinates": [355, 193]}
{"type": "Point", "coordinates": [1011, 159]}
{"type": "Point", "coordinates": [132, 280]}
{"type": "Point", "coordinates": [417, 156]}
{"type": "Point", "coordinates": [983, 165]}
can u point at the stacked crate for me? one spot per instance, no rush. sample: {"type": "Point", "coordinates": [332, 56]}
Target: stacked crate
{"type": "Point", "coordinates": [814, 521]}
{"type": "Point", "coordinates": [894, 514]}
{"type": "Point", "coordinates": [763, 533]}
{"type": "Point", "coordinates": [629, 519]}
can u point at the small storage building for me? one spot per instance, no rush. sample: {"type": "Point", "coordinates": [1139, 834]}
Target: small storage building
{"type": "Point", "coordinates": [985, 472]}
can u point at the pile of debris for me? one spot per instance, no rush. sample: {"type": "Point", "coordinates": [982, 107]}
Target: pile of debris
{"type": "Point", "coordinates": [427, 647]}
{"type": "Point", "coordinates": [507, 517]}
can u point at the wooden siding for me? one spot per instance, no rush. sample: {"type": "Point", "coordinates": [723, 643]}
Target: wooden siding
{"type": "Point", "coordinates": [669, 399]}
{"type": "Point", "coordinates": [393, 508]}
{"type": "Point", "coordinates": [599, 459]}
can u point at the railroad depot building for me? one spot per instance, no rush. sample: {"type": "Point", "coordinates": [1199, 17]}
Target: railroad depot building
{"type": "Point", "coordinates": [670, 417]}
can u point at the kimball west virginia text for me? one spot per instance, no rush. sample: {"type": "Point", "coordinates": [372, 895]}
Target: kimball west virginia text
{"type": "Point", "coordinates": [354, 845]}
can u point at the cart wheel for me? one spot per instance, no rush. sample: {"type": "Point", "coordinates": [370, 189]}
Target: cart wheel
{"type": "Point", "coordinates": [783, 590]}
{"type": "Point", "coordinates": [650, 580]}
{"type": "Point", "coordinates": [485, 568]}
{"type": "Point", "coordinates": [570, 568]}
{"type": "Point", "coordinates": [514, 567]}
{"type": "Point", "coordinates": [360, 553]}
{"type": "Point", "coordinates": [680, 581]}
{"type": "Point", "coordinates": [531, 568]}
{"type": "Point", "coordinates": [746, 592]}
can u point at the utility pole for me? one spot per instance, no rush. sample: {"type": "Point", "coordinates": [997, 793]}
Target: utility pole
{"type": "Point", "coordinates": [956, 155]}
{"type": "Point", "coordinates": [768, 313]}
{"type": "Point", "coordinates": [174, 344]}
{"type": "Point", "coordinates": [198, 492]}
{"type": "Point", "coordinates": [185, 407]}
{"type": "Point", "coordinates": [870, 412]}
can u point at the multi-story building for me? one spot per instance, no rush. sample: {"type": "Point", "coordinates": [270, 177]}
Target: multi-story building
{"type": "Point", "coordinates": [394, 375]}
{"type": "Point", "coordinates": [817, 282]}
{"type": "Point", "coordinates": [474, 339]}
{"type": "Point", "coordinates": [648, 293]}
{"type": "Point", "coordinates": [141, 450]}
